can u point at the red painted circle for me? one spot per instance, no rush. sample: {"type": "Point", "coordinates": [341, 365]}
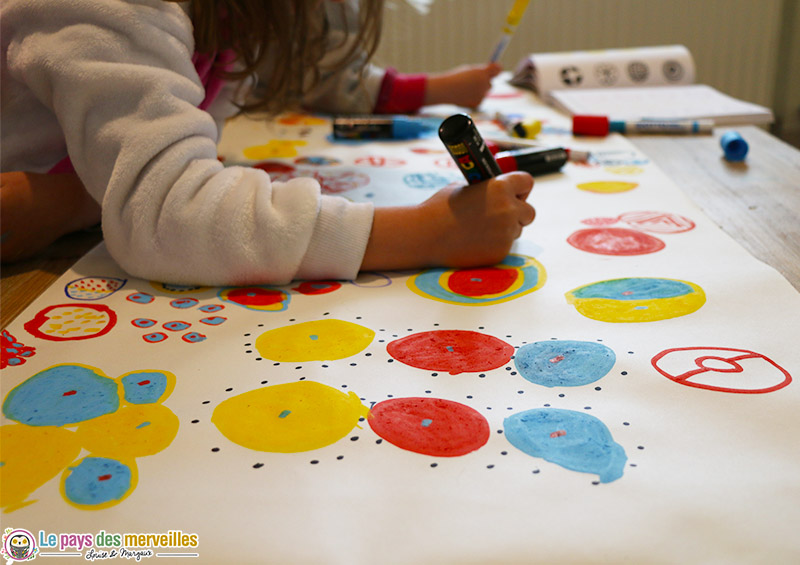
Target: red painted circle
{"type": "Point", "coordinates": [317, 287]}
{"type": "Point", "coordinates": [454, 351]}
{"type": "Point", "coordinates": [254, 296]}
{"type": "Point", "coordinates": [430, 426]}
{"type": "Point", "coordinates": [480, 282]}
{"type": "Point", "coordinates": [615, 241]}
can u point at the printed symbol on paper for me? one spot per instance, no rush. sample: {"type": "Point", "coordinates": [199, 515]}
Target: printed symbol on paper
{"type": "Point", "coordinates": [638, 71]}
{"type": "Point", "coordinates": [673, 70]}
{"type": "Point", "coordinates": [606, 74]}
{"type": "Point", "coordinates": [722, 369]}
{"type": "Point", "coordinates": [18, 545]}
{"type": "Point", "coordinates": [571, 76]}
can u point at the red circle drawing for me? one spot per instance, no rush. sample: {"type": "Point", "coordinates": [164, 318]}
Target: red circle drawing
{"type": "Point", "coordinates": [482, 281]}
{"type": "Point", "coordinates": [317, 287]}
{"type": "Point", "coordinates": [722, 369]}
{"type": "Point", "coordinates": [615, 241]}
{"type": "Point", "coordinates": [657, 222]}
{"type": "Point", "coordinates": [379, 161]}
{"type": "Point", "coordinates": [255, 296]}
{"type": "Point", "coordinates": [454, 351]}
{"type": "Point", "coordinates": [430, 426]}
{"type": "Point", "coordinates": [72, 322]}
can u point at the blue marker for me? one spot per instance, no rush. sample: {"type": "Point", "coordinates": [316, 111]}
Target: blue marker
{"type": "Point", "coordinates": [380, 127]}
{"type": "Point", "coordinates": [734, 146]}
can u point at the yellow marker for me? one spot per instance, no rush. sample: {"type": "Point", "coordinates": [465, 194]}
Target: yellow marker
{"type": "Point", "coordinates": [512, 20]}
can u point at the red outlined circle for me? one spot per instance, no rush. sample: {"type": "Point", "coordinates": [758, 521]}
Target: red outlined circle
{"type": "Point", "coordinates": [713, 361]}
{"type": "Point", "coordinates": [430, 426]}
{"type": "Point", "coordinates": [63, 313]}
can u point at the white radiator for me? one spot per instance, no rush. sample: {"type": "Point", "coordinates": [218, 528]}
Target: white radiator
{"type": "Point", "coordinates": [734, 42]}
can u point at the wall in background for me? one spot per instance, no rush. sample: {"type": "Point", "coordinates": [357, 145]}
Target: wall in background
{"type": "Point", "coordinates": [741, 47]}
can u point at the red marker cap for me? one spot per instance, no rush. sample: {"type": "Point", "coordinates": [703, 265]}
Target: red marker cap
{"type": "Point", "coordinates": [590, 125]}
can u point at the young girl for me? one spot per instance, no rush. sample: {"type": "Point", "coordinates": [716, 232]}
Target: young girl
{"type": "Point", "coordinates": [131, 96]}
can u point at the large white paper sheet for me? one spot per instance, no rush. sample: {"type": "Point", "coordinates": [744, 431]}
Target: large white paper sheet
{"type": "Point", "coordinates": [620, 390]}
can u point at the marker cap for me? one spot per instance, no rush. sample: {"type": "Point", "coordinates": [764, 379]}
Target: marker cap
{"type": "Point", "coordinates": [733, 146]}
{"type": "Point", "coordinates": [590, 125]}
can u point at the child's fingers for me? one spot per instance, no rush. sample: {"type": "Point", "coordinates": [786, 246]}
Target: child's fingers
{"type": "Point", "coordinates": [518, 184]}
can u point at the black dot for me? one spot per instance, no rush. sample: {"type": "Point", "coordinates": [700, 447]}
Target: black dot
{"type": "Point", "coordinates": [520, 392]}
{"type": "Point", "coordinates": [339, 457]}
{"type": "Point", "coordinates": [490, 466]}
{"type": "Point", "coordinates": [354, 438]}
{"type": "Point", "coordinates": [314, 461]}
{"type": "Point", "coordinates": [228, 389]}
{"type": "Point", "coordinates": [639, 447]}
{"type": "Point", "coordinates": [598, 388]}
{"type": "Point", "coordinates": [264, 382]}
{"type": "Point", "coordinates": [626, 423]}
{"type": "Point", "coordinates": [214, 449]}
{"type": "Point", "coordinates": [379, 441]}
{"type": "Point", "coordinates": [482, 376]}
{"type": "Point", "coordinates": [195, 421]}
{"type": "Point", "coordinates": [535, 471]}
{"type": "Point", "coordinates": [434, 464]}
{"type": "Point", "coordinates": [434, 374]}
{"type": "Point", "coordinates": [562, 395]}
{"type": "Point", "coordinates": [595, 482]}
{"type": "Point", "coordinates": [504, 453]}
{"type": "Point", "coordinates": [258, 465]}
{"type": "Point", "coordinates": [624, 373]}
{"type": "Point", "coordinates": [206, 402]}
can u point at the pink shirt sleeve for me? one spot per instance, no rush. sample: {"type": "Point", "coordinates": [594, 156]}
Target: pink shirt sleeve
{"type": "Point", "coordinates": [401, 93]}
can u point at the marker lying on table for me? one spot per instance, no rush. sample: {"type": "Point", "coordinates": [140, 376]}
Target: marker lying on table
{"type": "Point", "coordinates": [380, 127]}
{"type": "Point", "coordinates": [532, 161]}
{"type": "Point", "coordinates": [466, 146]}
{"type": "Point", "coordinates": [497, 145]}
{"type": "Point", "coordinates": [602, 126]}
{"type": "Point", "coordinates": [526, 129]}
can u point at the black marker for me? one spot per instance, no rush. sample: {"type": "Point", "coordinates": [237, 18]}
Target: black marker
{"type": "Point", "coordinates": [533, 161]}
{"type": "Point", "coordinates": [467, 148]}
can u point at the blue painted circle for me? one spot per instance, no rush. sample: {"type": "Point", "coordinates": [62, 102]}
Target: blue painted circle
{"type": "Point", "coordinates": [564, 362]}
{"type": "Point", "coordinates": [97, 480]}
{"type": "Point", "coordinates": [60, 395]}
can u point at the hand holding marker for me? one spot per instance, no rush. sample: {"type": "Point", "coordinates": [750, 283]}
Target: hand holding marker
{"type": "Point", "coordinates": [512, 21]}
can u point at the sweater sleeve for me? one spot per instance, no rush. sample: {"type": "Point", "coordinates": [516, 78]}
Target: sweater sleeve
{"type": "Point", "coordinates": [119, 79]}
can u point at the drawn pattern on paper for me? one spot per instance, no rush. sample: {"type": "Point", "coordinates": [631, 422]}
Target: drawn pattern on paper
{"type": "Point", "coordinates": [722, 369]}
{"type": "Point", "coordinates": [573, 440]}
{"type": "Point", "coordinates": [289, 418]}
{"type": "Point", "coordinates": [454, 351]}
{"type": "Point", "coordinates": [515, 276]}
{"type": "Point", "coordinates": [429, 426]}
{"type": "Point", "coordinates": [636, 299]}
{"type": "Point", "coordinates": [93, 288]}
{"type": "Point", "coordinates": [564, 362]}
{"type": "Point", "coordinates": [76, 321]}
{"type": "Point", "coordinates": [115, 420]}
{"type": "Point", "coordinates": [12, 352]}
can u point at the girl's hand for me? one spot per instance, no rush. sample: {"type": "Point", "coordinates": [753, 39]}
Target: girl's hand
{"type": "Point", "coordinates": [462, 227]}
{"type": "Point", "coordinates": [463, 86]}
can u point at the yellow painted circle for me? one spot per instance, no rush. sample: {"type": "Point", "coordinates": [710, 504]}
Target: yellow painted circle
{"type": "Point", "coordinates": [32, 455]}
{"type": "Point", "coordinates": [132, 431]}
{"type": "Point", "coordinates": [320, 340]}
{"type": "Point", "coordinates": [289, 418]}
{"type": "Point", "coordinates": [607, 186]}
{"type": "Point", "coordinates": [633, 303]}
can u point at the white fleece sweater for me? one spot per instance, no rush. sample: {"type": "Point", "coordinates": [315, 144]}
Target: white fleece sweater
{"type": "Point", "coordinates": [111, 84]}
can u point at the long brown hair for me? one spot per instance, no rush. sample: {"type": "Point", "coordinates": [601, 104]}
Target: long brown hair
{"type": "Point", "coordinates": [293, 33]}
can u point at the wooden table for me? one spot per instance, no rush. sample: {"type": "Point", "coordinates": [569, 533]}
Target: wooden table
{"type": "Point", "coordinates": [757, 202]}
